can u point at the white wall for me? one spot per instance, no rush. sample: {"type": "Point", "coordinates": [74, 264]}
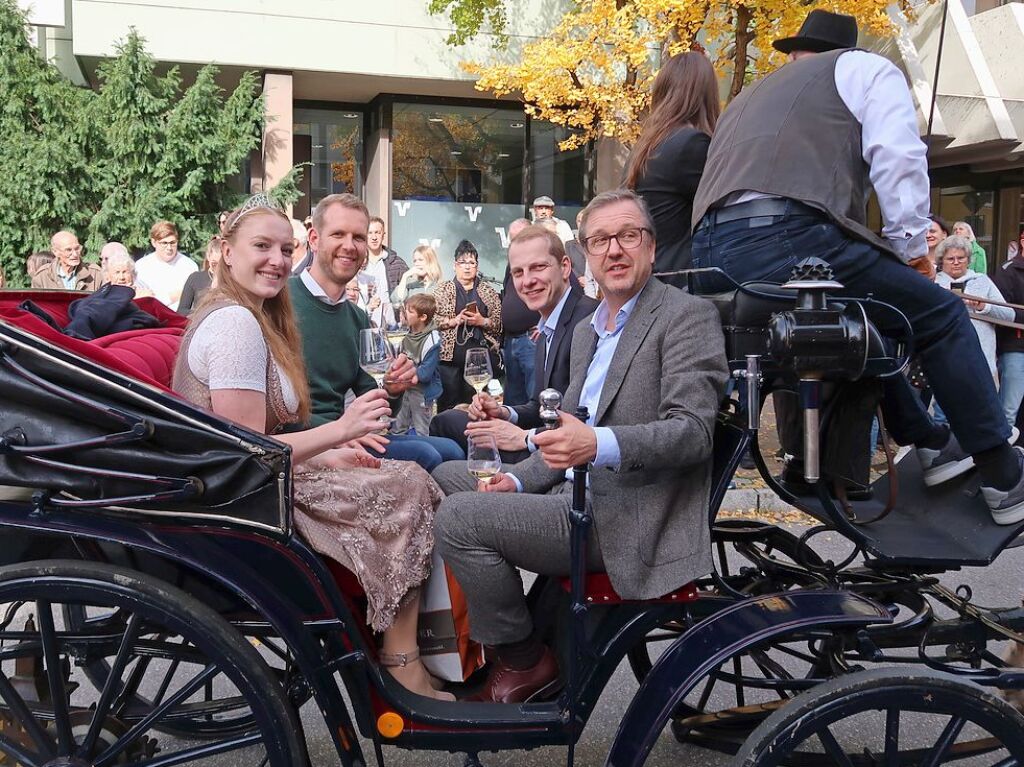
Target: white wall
{"type": "Point", "coordinates": [387, 38]}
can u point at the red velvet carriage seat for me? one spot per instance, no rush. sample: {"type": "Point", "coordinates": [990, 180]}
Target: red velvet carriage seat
{"type": "Point", "coordinates": [599, 591]}
{"type": "Point", "coordinates": [147, 355]}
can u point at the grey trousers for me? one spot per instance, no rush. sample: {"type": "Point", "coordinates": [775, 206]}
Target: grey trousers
{"type": "Point", "coordinates": [484, 537]}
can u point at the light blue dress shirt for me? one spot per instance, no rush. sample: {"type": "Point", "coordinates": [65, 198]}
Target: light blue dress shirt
{"type": "Point", "coordinates": [608, 451]}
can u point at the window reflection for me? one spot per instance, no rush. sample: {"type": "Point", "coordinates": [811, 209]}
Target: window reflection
{"type": "Point", "coordinates": [457, 154]}
{"type": "Point", "coordinates": [335, 139]}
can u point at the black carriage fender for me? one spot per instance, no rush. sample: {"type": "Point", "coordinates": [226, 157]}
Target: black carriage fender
{"type": "Point", "coordinates": [716, 639]}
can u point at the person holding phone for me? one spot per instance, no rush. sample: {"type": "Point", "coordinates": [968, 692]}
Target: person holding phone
{"type": "Point", "coordinates": [954, 253]}
{"type": "Point", "coordinates": [468, 317]}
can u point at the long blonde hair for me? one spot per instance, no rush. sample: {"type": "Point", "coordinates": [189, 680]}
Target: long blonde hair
{"type": "Point", "coordinates": [433, 266]}
{"type": "Point", "coordinates": [275, 317]}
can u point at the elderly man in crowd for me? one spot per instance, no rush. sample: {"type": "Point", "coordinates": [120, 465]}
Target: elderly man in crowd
{"type": "Point", "coordinates": [544, 209]}
{"type": "Point", "coordinates": [67, 271]}
{"type": "Point", "coordinates": [543, 280]}
{"type": "Point", "coordinates": [650, 369]}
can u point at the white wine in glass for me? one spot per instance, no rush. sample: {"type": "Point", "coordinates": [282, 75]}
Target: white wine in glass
{"type": "Point", "coordinates": [483, 460]}
{"type": "Point", "coordinates": [395, 334]}
{"type": "Point", "coordinates": [477, 370]}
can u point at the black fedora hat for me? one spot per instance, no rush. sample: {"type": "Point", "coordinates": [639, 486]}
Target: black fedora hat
{"type": "Point", "coordinates": [821, 31]}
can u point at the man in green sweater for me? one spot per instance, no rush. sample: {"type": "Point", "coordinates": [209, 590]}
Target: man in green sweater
{"type": "Point", "coordinates": [330, 328]}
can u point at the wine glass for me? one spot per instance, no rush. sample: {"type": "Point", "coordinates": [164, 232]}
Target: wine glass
{"type": "Point", "coordinates": [477, 371]}
{"type": "Point", "coordinates": [483, 459]}
{"type": "Point", "coordinates": [396, 331]}
{"type": "Point", "coordinates": [375, 357]}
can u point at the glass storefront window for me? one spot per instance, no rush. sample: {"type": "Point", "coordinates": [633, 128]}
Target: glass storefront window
{"type": "Point", "coordinates": [458, 173]}
{"type": "Point", "coordinates": [975, 207]}
{"type": "Point", "coordinates": [335, 146]}
{"type": "Point", "coordinates": [457, 154]}
{"type": "Point", "coordinates": [562, 176]}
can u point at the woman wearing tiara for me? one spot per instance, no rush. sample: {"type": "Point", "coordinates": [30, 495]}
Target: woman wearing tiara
{"type": "Point", "coordinates": [241, 358]}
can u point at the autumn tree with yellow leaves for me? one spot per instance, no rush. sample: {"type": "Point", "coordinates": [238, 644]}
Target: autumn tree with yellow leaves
{"type": "Point", "coordinates": [593, 72]}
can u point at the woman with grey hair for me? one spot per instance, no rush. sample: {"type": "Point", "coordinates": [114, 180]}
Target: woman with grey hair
{"type": "Point", "coordinates": [120, 270]}
{"type": "Point", "coordinates": [954, 253]}
{"type": "Point", "coordinates": [979, 259]}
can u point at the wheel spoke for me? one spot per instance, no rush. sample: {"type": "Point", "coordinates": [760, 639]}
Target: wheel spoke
{"type": "Point", "coordinates": [180, 695]}
{"type": "Point", "coordinates": [946, 739]}
{"type": "Point", "coordinates": [55, 678]}
{"type": "Point", "coordinates": [131, 633]}
{"type": "Point", "coordinates": [201, 752]}
{"type": "Point", "coordinates": [23, 715]}
{"type": "Point", "coordinates": [892, 737]}
{"type": "Point", "coordinates": [172, 668]}
{"type": "Point", "coordinates": [737, 669]}
{"type": "Point", "coordinates": [8, 748]}
{"type": "Point", "coordinates": [833, 748]}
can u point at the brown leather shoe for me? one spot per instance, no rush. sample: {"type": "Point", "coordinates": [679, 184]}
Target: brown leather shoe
{"type": "Point", "coordinates": [507, 685]}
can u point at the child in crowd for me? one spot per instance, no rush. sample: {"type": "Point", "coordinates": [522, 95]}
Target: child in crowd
{"type": "Point", "coordinates": [421, 345]}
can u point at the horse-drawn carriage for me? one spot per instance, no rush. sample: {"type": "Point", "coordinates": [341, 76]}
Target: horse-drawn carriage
{"type": "Point", "coordinates": [157, 608]}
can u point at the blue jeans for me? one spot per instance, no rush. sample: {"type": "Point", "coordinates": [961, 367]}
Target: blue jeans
{"type": "Point", "coordinates": [943, 336]}
{"type": "Point", "coordinates": [520, 353]}
{"type": "Point", "coordinates": [428, 452]}
{"type": "Point", "coordinates": [1011, 383]}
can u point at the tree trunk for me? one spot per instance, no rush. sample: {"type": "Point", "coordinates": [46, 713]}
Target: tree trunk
{"type": "Point", "coordinates": [743, 38]}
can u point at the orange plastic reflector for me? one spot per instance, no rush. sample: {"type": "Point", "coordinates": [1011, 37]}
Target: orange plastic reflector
{"type": "Point", "coordinates": [390, 724]}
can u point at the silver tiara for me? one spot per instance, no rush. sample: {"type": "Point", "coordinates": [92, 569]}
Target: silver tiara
{"type": "Point", "coordinates": [258, 201]}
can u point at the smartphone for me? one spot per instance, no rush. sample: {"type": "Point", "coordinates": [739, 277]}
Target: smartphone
{"type": "Point", "coordinates": [471, 308]}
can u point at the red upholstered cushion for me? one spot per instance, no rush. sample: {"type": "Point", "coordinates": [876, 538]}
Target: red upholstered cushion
{"type": "Point", "coordinates": [599, 590]}
{"type": "Point", "coordinates": [147, 355]}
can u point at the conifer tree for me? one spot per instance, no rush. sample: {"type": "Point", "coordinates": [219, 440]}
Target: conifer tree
{"type": "Point", "coordinates": [109, 163]}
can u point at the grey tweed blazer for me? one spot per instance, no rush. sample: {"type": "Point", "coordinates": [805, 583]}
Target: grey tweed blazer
{"type": "Point", "coordinates": [660, 398]}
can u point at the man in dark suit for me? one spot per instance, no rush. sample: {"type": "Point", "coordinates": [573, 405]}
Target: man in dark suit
{"type": "Point", "coordinates": [650, 368]}
{"type": "Point", "coordinates": [542, 276]}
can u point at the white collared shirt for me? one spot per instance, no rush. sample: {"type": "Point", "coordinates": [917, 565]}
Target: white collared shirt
{"type": "Point", "coordinates": [317, 292]}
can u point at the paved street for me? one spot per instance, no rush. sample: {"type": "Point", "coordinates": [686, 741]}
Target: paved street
{"type": "Point", "coordinates": [998, 585]}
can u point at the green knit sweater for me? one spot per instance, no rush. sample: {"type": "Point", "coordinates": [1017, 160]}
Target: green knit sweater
{"type": "Point", "coordinates": [330, 344]}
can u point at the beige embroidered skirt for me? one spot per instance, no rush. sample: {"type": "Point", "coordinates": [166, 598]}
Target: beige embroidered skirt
{"type": "Point", "coordinates": [379, 523]}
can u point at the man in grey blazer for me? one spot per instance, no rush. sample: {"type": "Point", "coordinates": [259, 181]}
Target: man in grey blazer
{"type": "Point", "coordinates": [650, 367]}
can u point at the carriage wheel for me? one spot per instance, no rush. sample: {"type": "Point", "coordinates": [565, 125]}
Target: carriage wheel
{"type": "Point", "coordinates": [760, 543]}
{"type": "Point", "coordinates": [889, 717]}
{"type": "Point", "coordinates": [47, 717]}
{"type": "Point", "coordinates": [212, 717]}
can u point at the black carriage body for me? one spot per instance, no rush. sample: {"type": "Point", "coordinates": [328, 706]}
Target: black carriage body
{"type": "Point", "coordinates": [96, 465]}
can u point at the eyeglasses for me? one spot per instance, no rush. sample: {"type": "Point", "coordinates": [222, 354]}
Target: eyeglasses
{"type": "Point", "coordinates": [955, 258]}
{"type": "Point", "coordinates": [628, 239]}
{"type": "Point", "coordinates": [168, 243]}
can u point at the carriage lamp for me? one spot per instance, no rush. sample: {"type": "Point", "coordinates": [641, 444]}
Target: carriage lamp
{"type": "Point", "coordinates": [550, 402]}
{"type": "Point", "coordinates": [818, 341]}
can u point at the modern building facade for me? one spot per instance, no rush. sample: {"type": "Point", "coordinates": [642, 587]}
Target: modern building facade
{"type": "Point", "coordinates": [371, 97]}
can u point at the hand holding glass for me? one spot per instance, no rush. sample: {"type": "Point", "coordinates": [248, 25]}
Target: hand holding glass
{"type": "Point", "coordinates": [477, 371]}
{"type": "Point", "coordinates": [483, 459]}
{"type": "Point", "coordinates": [375, 356]}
